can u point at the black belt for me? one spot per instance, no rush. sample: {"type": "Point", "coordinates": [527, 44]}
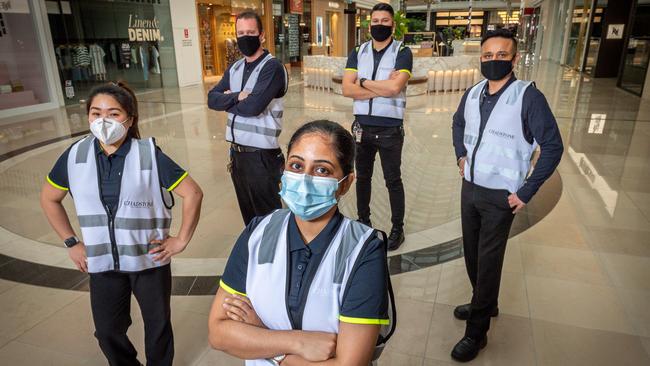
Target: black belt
{"type": "Point", "coordinates": [249, 149]}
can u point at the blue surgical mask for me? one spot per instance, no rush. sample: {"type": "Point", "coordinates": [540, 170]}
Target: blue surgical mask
{"type": "Point", "coordinates": [309, 197]}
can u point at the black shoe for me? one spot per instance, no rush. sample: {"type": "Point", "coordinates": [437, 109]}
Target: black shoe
{"type": "Point", "coordinates": [467, 349]}
{"type": "Point", "coordinates": [365, 222]}
{"type": "Point", "coordinates": [395, 239]}
{"type": "Point", "coordinates": [462, 312]}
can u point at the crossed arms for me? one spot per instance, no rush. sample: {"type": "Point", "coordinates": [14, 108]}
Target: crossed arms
{"type": "Point", "coordinates": [373, 88]}
{"type": "Point", "coordinates": [235, 329]}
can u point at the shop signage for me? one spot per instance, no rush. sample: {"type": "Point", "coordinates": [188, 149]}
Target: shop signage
{"type": "Point", "coordinates": [144, 29]}
{"type": "Point", "coordinates": [186, 41]}
{"type": "Point", "coordinates": [295, 6]}
{"type": "Point", "coordinates": [333, 5]}
{"type": "Point", "coordinates": [69, 89]}
{"type": "Point", "coordinates": [14, 6]}
{"type": "Point", "coordinates": [277, 10]}
{"type": "Point", "coordinates": [294, 35]}
{"type": "Point", "coordinates": [615, 31]}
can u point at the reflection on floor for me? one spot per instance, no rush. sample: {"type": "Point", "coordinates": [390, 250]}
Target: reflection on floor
{"type": "Point", "coordinates": [575, 287]}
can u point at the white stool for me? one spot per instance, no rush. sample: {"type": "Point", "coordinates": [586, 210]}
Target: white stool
{"type": "Point", "coordinates": [463, 79]}
{"type": "Point", "coordinates": [440, 81]}
{"type": "Point", "coordinates": [448, 80]}
{"type": "Point", "coordinates": [455, 80]}
{"type": "Point", "coordinates": [431, 80]}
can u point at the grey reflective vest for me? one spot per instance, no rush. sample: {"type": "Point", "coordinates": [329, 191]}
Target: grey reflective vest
{"type": "Point", "coordinates": [120, 243]}
{"type": "Point", "coordinates": [379, 106]}
{"type": "Point", "coordinates": [502, 159]}
{"type": "Point", "coordinates": [266, 278]}
{"type": "Point", "coordinates": [261, 131]}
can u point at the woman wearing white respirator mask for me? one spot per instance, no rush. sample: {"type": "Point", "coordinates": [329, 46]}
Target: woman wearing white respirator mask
{"type": "Point", "coordinates": [121, 186]}
{"type": "Point", "coordinates": [306, 284]}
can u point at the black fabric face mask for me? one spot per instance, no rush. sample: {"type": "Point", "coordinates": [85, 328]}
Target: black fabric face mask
{"type": "Point", "coordinates": [496, 69]}
{"type": "Point", "coordinates": [248, 45]}
{"type": "Point", "coordinates": [380, 32]}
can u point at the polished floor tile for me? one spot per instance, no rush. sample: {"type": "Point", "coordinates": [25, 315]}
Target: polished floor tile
{"type": "Point", "coordinates": [565, 345]}
{"type": "Point", "coordinates": [577, 304]}
{"type": "Point", "coordinates": [574, 287]}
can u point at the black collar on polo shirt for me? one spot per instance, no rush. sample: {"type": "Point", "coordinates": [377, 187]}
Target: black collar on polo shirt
{"type": "Point", "coordinates": [320, 242]}
{"type": "Point", "coordinates": [486, 88]}
{"type": "Point", "coordinates": [121, 151]}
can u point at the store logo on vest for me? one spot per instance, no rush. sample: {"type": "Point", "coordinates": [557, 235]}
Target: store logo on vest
{"type": "Point", "coordinates": [501, 134]}
{"type": "Point", "coordinates": [141, 30]}
{"type": "Point", "coordinates": [138, 204]}
{"type": "Point", "coordinates": [320, 291]}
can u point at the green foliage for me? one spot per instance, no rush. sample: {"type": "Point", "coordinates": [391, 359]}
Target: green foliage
{"type": "Point", "coordinates": [401, 25]}
{"type": "Point", "coordinates": [417, 25]}
{"type": "Point", "coordinates": [452, 33]}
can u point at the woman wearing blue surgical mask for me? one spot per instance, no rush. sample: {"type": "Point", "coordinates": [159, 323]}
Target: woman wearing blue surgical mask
{"type": "Point", "coordinates": [306, 284]}
{"type": "Point", "coordinates": [121, 187]}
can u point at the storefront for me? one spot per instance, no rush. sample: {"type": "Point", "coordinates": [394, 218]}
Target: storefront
{"type": "Point", "coordinates": [26, 81]}
{"type": "Point", "coordinates": [218, 39]}
{"type": "Point", "coordinates": [459, 21]}
{"type": "Point", "coordinates": [328, 28]}
{"type": "Point", "coordinates": [362, 22]}
{"type": "Point", "coordinates": [96, 41]}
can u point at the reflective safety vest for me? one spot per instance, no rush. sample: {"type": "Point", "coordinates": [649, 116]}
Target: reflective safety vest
{"type": "Point", "coordinates": [502, 159]}
{"type": "Point", "coordinates": [379, 106]}
{"type": "Point", "coordinates": [119, 243]}
{"type": "Point", "coordinates": [261, 131]}
{"type": "Point", "coordinates": [266, 279]}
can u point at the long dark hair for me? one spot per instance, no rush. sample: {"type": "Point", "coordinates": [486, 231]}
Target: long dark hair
{"type": "Point", "coordinates": [125, 97]}
{"type": "Point", "coordinates": [342, 141]}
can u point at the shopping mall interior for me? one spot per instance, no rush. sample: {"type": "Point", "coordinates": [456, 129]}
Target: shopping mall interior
{"type": "Point", "coordinates": [575, 286]}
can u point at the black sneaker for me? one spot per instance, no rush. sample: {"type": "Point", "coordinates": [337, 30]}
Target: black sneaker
{"type": "Point", "coordinates": [462, 312]}
{"type": "Point", "coordinates": [395, 239]}
{"type": "Point", "coordinates": [467, 349]}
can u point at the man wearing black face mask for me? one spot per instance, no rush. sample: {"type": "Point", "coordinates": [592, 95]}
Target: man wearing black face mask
{"type": "Point", "coordinates": [498, 125]}
{"type": "Point", "coordinates": [375, 77]}
{"type": "Point", "coordinates": [251, 91]}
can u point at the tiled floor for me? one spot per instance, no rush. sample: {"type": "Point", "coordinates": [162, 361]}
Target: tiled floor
{"type": "Point", "coordinates": [576, 281]}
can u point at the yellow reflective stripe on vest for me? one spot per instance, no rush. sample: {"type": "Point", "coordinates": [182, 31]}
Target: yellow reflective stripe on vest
{"type": "Point", "coordinates": [229, 289]}
{"type": "Point", "coordinates": [367, 321]}
{"type": "Point", "coordinates": [55, 185]}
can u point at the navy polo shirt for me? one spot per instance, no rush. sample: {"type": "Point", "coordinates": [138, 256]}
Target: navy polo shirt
{"type": "Point", "coordinates": [110, 171]}
{"type": "Point", "coordinates": [403, 63]}
{"type": "Point", "coordinates": [367, 297]}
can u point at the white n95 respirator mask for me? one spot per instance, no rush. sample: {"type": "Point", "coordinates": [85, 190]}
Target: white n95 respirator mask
{"type": "Point", "coordinates": [108, 130]}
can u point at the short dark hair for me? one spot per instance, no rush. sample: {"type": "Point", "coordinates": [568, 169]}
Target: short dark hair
{"type": "Point", "coordinates": [124, 96]}
{"type": "Point", "coordinates": [383, 7]}
{"type": "Point", "coordinates": [342, 141]}
{"type": "Point", "coordinates": [249, 14]}
{"type": "Point", "coordinates": [501, 33]}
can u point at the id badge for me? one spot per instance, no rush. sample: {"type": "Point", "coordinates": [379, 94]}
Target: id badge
{"type": "Point", "coordinates": [357, 131]}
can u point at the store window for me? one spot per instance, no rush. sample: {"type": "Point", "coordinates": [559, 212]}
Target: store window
{"type": "Point", "coordinates": [96, 41]}
{"type": "Point", "coordinates": [218, 35]}
{"type": "Point", "coordinates": [22, 72]}
{"type": "Point", "coordinates": [637, 55]}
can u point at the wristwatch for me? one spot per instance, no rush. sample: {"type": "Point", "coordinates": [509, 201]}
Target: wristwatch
{"type": "Point", "coordinates": [71, 241]}
{"type": "Point", "coordinates": [277, 359]}
{"type": "Point", "coordinates": [361, 81]}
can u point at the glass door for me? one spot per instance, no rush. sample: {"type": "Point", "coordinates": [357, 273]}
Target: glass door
{"type": "Point", "coordinates": [637, 55]}
{"type": "Point", "coordinates": [578, 35]}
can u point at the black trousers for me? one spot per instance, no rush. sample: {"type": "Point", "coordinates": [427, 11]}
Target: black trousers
{"type": "Point", "coordinates": [388, 141]}
{"type": "Point", "coordinates": [110, 300]}
{"type": "Point", "coordinates": [256, 176]}
{"type": "Point", "coordinates": [486, 220]}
